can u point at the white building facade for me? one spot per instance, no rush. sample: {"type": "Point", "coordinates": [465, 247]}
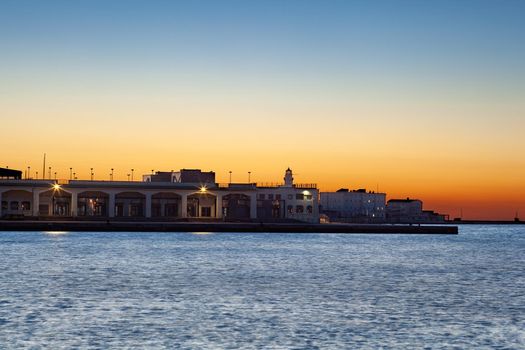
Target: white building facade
{"type": "Point", "coordinates": [357, 206]}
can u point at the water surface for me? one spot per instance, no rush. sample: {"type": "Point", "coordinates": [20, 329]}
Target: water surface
{"type": "Point", "coordinates": [300, 291]}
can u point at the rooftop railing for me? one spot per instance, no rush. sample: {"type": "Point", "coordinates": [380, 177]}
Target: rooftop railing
{"type": "Point", "coordinates": [139, 183]}
{"type": "Point", "coordinates": [236, 185]}
{"type": "Point", "coordinates": [280, 184]}
{"type": "Point", "coordinates": [306, 186]}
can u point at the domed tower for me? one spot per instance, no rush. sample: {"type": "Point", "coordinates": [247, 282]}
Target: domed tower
{"type": "Point", "coordinates": [288, 178]}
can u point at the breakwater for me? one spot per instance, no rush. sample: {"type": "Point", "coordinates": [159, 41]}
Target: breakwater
{"type": "Point", "coordinates": [220, 227]}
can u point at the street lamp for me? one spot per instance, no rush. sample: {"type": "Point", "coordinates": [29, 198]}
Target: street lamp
{"type": "Point", "coordinates": [55, 175]}
{"type": "Point", "coordinates": [74, 176]}
{"type": "Point", "coordinates": [128, 177]}
{"type": "Point", "coordinates": [111, 174]}
{"type": "Point", "coordinates": [92, 174]}
{"type": "Point", "coordinates": [49, 174]}
{"type": "Point", "coordinates": [28, 172]}
{"type": "Point", "coordinates": [71, 173]}
{"type": "Point", "coordinates": [249, 173]}
{"type": "Point", "coordinates": [230, 176]}
{"type": "Point", "coordinates": [132, 170]}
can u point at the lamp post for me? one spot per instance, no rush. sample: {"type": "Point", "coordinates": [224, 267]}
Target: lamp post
{"type": "Point", "coordinates": [230, 176]}
{"type": "Point", "coordinates": [28, 172]}
{"type": "Point", "coordinates": [71, 173]}
{"type": "Point", "coordinates": [92, 174]}
{"type": "Point", "coordinates": [128, 177]}
{"type": "Point", "coordinates": [37, 175]}
{"type": "Point", "coordinates": [249, 174]}
{"type": "Point", "coordinates": [55, 175]}
{"type": "Point", "coordinates": [74, 176]}
{"type": "Point", "coordinates": [49, 174]}
{"type": "Point", "coordinates": [111, 174]}
{"type": "Point", "coordinates": [132, 171]}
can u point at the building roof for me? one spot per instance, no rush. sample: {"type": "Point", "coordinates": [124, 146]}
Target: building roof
{"type": "Point", "coordinates": [5, 172]}
{"type": "Point", "coordinates": [407, 200]}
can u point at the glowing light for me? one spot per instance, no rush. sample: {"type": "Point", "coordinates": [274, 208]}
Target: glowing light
{"type": "Point", "coordinates": [56, 187]}
{"type": "Point", "coordinates": [203, 189]}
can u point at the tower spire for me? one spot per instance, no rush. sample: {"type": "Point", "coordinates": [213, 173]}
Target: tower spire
{"type": "Point", "coordinates": [288, 178]}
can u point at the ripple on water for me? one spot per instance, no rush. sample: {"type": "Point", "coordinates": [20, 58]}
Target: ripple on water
{"type": "Point", "coordinates": [200, 290]}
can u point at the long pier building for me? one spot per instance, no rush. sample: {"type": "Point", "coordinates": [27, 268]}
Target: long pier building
{"type": "Point", "coordinates": [161, 196]}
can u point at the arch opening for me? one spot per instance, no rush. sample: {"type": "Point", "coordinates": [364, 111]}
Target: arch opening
{"type": "Point", "coordinates": [55, 203]}
{"type": "Point", "coordinates": [93, 204]}
{"type": "Point", "coordinates": [166, 204]}
{"type": "Point", "coordinates": [17, 203]}
{"type": "Point", "coordinates": [130, 204]}
{"type": "Point", "coordinates": [201, 205]}
{"type": "Point", "coordinates": [236, 206]}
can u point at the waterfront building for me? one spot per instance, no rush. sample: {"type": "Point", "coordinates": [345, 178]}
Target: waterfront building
{"type": "Point", "coordinates": [410, 211]}
{"type": "Point", "coordinates": [289, 200]}
{"type": "Point", "coordinates": [186, 194]}
{"type": "Point", "coordinates": [357, 206]}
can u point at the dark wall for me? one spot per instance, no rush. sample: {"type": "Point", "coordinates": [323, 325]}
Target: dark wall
{"type": "Point", "coordinates": [10, 173]}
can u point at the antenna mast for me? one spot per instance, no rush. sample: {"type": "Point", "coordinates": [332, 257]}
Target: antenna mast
{"type": "Point", "coordinates": [44, 168]}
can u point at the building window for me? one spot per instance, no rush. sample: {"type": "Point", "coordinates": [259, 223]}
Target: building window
{"type": "Point", "coordinates": [261, 196]}
{"type": "Point", "coordinates": [290, 196]}
{"type": "Point", "coordinates": [308, 197]}
{"type": "Point", "coordinates": [135, 209]}
{"type": "Point", "coordinates": [309, 209]}
{"type": "Point", "coordinates": [26, 205]}
{"type": "Point", "coordinates": [13, 205]}
{"type": "Point", "coordinates": [206, 211]}
{"type": "Point", "coordinates": [270, 196]}
{"type": "Point", "coordinates": [299, 196]}
{"type": "Point", "coordinates": [299, 209]}
{"type": "Point", "coordinates": [4, 205]}
{"type": "Point", "coordinates": [278, 197]}
{"type": "Point", "coordinates": [290, 209]}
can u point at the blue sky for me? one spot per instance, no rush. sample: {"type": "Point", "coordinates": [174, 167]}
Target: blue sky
{"type": "Point", "coordinates": [269, 37]}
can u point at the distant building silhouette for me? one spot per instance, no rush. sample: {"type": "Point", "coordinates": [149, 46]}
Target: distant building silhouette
{"type": "Point", "coordinates": [6, 173]}
{"type": "Point", "coordinates": [410, 211]}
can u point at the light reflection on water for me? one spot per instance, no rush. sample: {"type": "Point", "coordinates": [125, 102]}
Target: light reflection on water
{"type": "Point", "coordinates": [56, 233]}
{"type": "Point", "coordinates": [177, 290]}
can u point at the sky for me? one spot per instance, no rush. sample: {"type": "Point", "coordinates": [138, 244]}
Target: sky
{"type": "Point", "coordinates": [419, 99]}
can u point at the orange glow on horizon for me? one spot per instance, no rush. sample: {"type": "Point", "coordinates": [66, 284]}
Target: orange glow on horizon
{"type": "Point", "coordinates": [477, 189]}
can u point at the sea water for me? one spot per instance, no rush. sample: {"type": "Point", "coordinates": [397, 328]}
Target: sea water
{"type": "Point", "coordinates": [252, 290]}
